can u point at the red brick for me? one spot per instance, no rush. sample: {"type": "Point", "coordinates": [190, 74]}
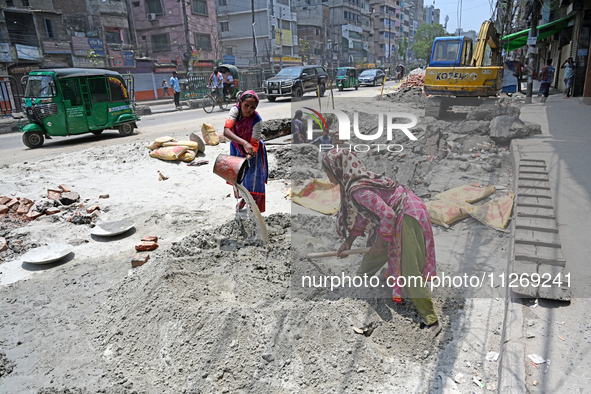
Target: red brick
{"type": "Point", "coordinates": [93, 208]}
{"type": "Point", "coordinates": [10, 204]}
{"type": "Point", "coordinates": [3, 209]}
{"type": "Point", "coordinates": [25, 206]}
{"type": "Point", "coordinates": [33, 215]}
{"type": "Point", "coordinates": [3, 245]}
{"type": "Point", "coordinates": [53, 194]}
{"type": "Point", "coordinates": [150, 238]}
{"type": "Point", "coordinates": [52, 211]}
{"type": "Point", "coordinates": [139, 259]}
{"type": "Point", "coordinates": [144, 246]}
{"type": "Point", "coordinates": [64, 188]}
{"type": "Point", "coordinates": [104, 196]}
{"type": "Point", "coordinates": [4, 200]}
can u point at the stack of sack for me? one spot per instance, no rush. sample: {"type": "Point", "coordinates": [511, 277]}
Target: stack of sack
{"type": "Point", "coordinates": [168, 148]}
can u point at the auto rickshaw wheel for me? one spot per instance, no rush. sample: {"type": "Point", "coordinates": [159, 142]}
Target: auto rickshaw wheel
{"type": "Point", "coordinates": [356, 87]}
{"type": "Point", "coordinates": [126, 129]}
{"type": "Point", "coordinates": [341, 88]}
{"type": "Point", "coordinates": [33, 139]}
{"type": "Point", "coordinates": [96, 132]}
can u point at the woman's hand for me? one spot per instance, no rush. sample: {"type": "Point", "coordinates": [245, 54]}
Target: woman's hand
{"type": "Point", "coordinates": [249, 150]}
{"type": "Point", "coordinates": [378, 247]}
{"type": "Point", "coordinates": [344, 246]}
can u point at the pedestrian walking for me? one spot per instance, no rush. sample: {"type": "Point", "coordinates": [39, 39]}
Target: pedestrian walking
{"type": "Point", "coordinates": [569, 76]}
{"type": "Point", "coordinates": [398, 225]}
{"type": "Point", "coordinates": [176, 87]}
{"type": "Point", "coordinates": [165, 89]}
{"type": "Point", "coordinates": [545, 78]}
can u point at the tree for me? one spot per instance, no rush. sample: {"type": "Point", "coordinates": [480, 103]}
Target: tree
{"type": "Point", "coordinates": [424, 38]}
{"type": "Point", "coordinates": [402, 49]}
{"type": "Point", "coordinates": [304, 49]}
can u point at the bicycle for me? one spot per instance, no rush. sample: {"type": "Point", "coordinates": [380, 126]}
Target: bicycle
{"type": "Point", "coordinates": [212, 99]}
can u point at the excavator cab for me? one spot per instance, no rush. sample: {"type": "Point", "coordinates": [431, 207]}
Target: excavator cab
{"type": "Point", "coordinates": [460, 69]}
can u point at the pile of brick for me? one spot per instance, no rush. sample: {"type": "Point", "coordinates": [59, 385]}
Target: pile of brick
{"type": "Point", "coordinates": [413, 81]}
{"type": "Point", "coordinates": [148, 243]}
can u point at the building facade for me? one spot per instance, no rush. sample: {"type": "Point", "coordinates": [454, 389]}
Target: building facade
{"type": "Point", "coordinates": [274, 30]}
{"type": "Point", "coordinates": [313, 26]}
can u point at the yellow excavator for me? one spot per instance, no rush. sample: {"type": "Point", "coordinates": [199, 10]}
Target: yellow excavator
{"type": "Point", "coordinates": [463, 74]}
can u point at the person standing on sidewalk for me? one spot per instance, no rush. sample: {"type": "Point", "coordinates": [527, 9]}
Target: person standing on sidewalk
{"type": "Point", "coordinates": [165, 89]}
{"type": "Point", "coordinates": [546, 77]}
{"type": "Point", "coordinates": [176, 87]}
{"type": "Point", "coordinates": [569, 76]}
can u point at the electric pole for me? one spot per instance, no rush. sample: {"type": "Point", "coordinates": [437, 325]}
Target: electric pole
{"type": "Point", "coordinates": [280, 30]}
{"type": "Point", "coordinates": [389, 42]}
{"type": "Point", "coordinates": [254, 39]}
{"type": "Point", "coordinates": [189, 51]}
{"type": "Point", "coordinates": [533, 34]}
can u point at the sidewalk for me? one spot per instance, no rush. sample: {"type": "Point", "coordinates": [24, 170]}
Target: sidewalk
{"type": "Point", "coordinates": [558, 331]}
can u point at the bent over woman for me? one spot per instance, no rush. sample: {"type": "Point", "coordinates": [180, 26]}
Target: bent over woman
{"type": "Point", "coordinates": [398, 225]}
{"type": "Point", "coordinates": [243, 127]}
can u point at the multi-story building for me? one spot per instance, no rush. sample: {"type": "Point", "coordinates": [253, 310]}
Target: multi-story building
{"type": "Point", "coordinates": [351, 32]}
{"type": "Point", "coordinates": [432, 15]}
{"type": "Point", "coordinates": [183, 39]}
{"type": "Point", "coordinates": [269, 42]}
{"type": "Point", "coordinates": [314, 27]}
{"type": "Point", "coordinates": [32, 35]}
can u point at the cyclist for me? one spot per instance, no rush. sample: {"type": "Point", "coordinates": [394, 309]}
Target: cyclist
{"type": "Point", "coordinates": [216, 82]}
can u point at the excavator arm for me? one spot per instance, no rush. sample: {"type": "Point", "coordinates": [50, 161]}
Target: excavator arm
{"type": "Point", "coordinates": [487, 35]}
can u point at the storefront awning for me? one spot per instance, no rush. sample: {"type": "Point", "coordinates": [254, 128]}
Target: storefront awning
{"type": "Point", "coordinates": [517, 40]}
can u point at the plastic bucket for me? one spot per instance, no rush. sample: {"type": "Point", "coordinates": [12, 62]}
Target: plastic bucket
{"type": "Point", "coordinates": [231, 168]}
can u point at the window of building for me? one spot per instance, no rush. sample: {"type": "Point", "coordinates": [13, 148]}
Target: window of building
{"type": "Point", "coordinates": [229, 51]}
{"type": "Point", "coordinates": [154, 7]}
{"type": "Point", "coordinates": [285, 25]}
{"type": "Point", "coordinates": [284, 2]}
{"type": "Point", "coordinates": [113, 36]}
{"type": "Point", "coordinates": [203, 41]}
{"type": "Point", "coordinates": [50, 28]}
{"type": "Point", "coordinates": [317, 32]}
{"type": "Point", "coordinates": [160, 42]}
{"type": "Point", "coordinates": [25, 3]}
{"type": "Point", "coordinates": [222, 3]}
{"type": "Point", "coordinates": [9, 3]}
{"type": "Point", "coordinates": [224, 26]}
{"type": "Point", "coordinates": [286, 51]}
{"type": "Point", "coordinates": [200, 7]}
{"type": "Point", "coordinates": [135, 3]}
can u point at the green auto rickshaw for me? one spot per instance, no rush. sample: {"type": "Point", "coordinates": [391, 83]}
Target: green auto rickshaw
{"type": "Point", "coordinates": [231, 92]}
{"type": "Point", "coordinates": [347, 78]}
{"type": "Point", "coordinates": [71, 101]}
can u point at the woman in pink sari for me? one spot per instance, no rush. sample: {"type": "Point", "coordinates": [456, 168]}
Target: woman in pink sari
{"type": "Point", "coordinates": [398, 225]}
{"type": "Point", "coordinates": [243, 127]}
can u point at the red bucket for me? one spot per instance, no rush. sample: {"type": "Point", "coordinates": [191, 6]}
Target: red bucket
{"type": "Point", "coordinates": [231, 168]}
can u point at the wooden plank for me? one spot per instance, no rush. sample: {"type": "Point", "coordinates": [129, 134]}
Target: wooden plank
{"type": "Point", "coordinates": [535, 195]}
{"type": "Point", "coordinates": [533, 172]}
{"type": "Point", "coordinates": [532, 166]}
{"type": "Point", "coordinates": [531, 177]}
{"type": "Point", "coordinates": [524, 200]}
{"type": "Point", "coordinates": [532, 191]}
{"type": "Point", "coordinates": [535, 212]}
{"type": "Point", "coordinates": [523, 270]}
{"type": "Point", "coordinates": [547, 224]}
{"type": "Point", "coordinates": [552, 256]}
{"type": "Point", "coordinates": [548, 274]}
{"type": "Point", "coordinates": [537, 243]}
{"type": "Point", "coordinates": [539, 236]}
{"type": "Point", "coordinates": [532, 160]}
{"type": "Point", "coordinates": [533, 184]}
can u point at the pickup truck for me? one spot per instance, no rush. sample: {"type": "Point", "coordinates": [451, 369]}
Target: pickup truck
{"type": "Point", "coordinates": [295, 81]}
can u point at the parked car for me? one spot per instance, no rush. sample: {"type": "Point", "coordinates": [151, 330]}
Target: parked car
{"type": "Point", "coordinates": [295, 81]}
{"type": "Point", "coordinates": [372, 77]}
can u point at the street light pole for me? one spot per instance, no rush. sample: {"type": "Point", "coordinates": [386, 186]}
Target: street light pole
{"type": "Point", "coordinates": [389, 41]}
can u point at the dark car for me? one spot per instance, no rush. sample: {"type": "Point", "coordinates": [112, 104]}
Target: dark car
{"type": "Point", "coordinates": [372, 77]}
{"type": "Point", "coordinates": [295, 81]}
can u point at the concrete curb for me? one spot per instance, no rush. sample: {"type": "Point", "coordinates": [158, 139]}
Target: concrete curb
{"type": "Point", "coordinates": [512, 357]}
{"type": "Point", "coordinates": [11, 125]}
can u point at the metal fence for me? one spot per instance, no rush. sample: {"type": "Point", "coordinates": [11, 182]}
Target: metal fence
{"type": "Point", "coordinates": [196, 85]}
{"type": "Point", "coordinates": [10, 95]}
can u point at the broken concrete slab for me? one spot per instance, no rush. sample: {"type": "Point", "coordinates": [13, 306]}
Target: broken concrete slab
{"type": "Point", "coordinates": [505, 128]}
{"type": "Point", "coordinates": [490, 111]}
{"type": "Point", "coordinates": [69, 198]}
{"type": "Point", "coordinates": [473, 127]}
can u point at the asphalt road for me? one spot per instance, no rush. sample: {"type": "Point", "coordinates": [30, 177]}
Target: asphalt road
{"type": "Point", "coordinates": [12, 149]}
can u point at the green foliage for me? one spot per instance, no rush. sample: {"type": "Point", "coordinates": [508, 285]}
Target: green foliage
{"type": "Point", "coordinates": [424, 38]}
{"type": "Point", "coordinates": [402, 49]}
{"type": "Point", "coordinates": [304, 49]}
